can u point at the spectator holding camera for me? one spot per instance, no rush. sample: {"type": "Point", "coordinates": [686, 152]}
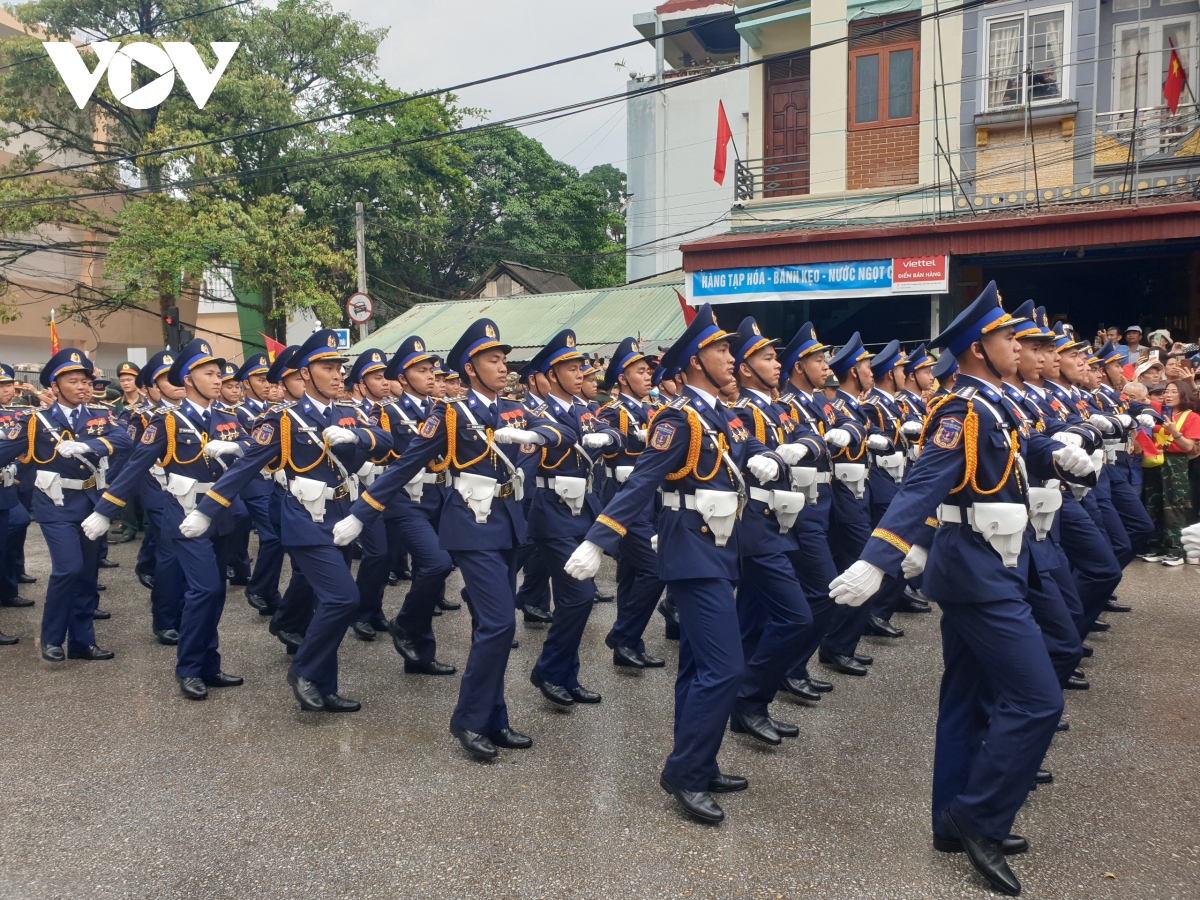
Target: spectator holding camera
{"type": "Point", "coordinates": [1167, 490]}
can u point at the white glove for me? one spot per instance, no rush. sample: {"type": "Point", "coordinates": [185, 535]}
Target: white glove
{"type": "Point", "coordinates": [640, 433]}
{"type": "Point", "coordinates": [857, 584]}
{"type": "Point", "coordinates": [1146, 420]}
{"type": "Point", "coordinates": [837, 438]}
{"type": "Point", "coordinates": [347, 530]}
{"type": "Point", "coordinates": [73, 449]}
{"type": "Point", "coordinates": [792, 453]}
{"type": "Point", "coordinates": [1068, 438]}
{"type": "Point", "coordinates": [508, 435]}
{"type": "Point", "coordinates": [336, 434]}
{"type": "Point", "coordinates": [584, 563]}
{"type": "Point", "coordinates": [654, 543]}
{"type": "Point", "coordinates": [1075, 461]}
{"type": "Point", "coordinates": [763, 468]}
{"type": "Point", "coordinates": [1126, 421]}
{"type": "Point", "coordinates": [195, 524]}
{"type": "Point", "coordinates": [214, 449]}
{"type": "Point", "coordinates": [877, 442]}
{"type": "Point", "coordinates": [595, 441]}
{"type": "Point", "coordinates": [94, 526]}
{"type": "Point", "coordinates": [914, 561]}
{"type": "Point", "coordinates": [912, 429]}
{"type": "Point", "coordinates": [1191, 539]}
{"type": "Point", "coordinates": [1103, 424]}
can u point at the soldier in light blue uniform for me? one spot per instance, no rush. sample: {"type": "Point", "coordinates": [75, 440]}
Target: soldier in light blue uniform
{"type": "Point", "coordinates": [1000, 700]}
{"type": "Point", "coordinates": [697, 455]}
{"type": "Point", "coordinates": [67, 448]}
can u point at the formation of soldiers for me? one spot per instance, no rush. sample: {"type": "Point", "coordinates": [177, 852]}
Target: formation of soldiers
{"type": "Point", "coordinates": [765, 520]}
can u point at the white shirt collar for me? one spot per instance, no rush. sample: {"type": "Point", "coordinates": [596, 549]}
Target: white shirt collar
{"type": "Point", "coordinates": [633, 398]}
{"type": "Point", "coordinates": [66, 408]}
{"type": "Point", "coordinates": [705, 396]}
{"type": "Point", "coordinates": [1040, 392]}
{"type": "Point", "coordinates": [322, 408]}
{"type": "Point", "coordinates": [418, 401]}
{"type": "Point", "coordinates": [885, 393]}
{"type": "Point", "coordinates": [484, 400]}
{"type": "Point", "coordinates": [196, 406]}
{"type": "Point", "coordinates": [760, 394]}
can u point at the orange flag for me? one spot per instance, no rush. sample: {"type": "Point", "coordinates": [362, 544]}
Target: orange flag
{"type": "Point", "coordinates": [724, 136]}
{"type": "Point", "coordinates": [54, 344]}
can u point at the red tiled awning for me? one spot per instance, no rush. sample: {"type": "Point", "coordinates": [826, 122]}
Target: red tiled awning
{"type": "Point", "coordinates": [1110, 223]}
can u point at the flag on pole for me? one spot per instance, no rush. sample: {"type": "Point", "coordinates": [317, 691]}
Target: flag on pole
{"type": "Point", "coordinates": [724, 136]}
{"type": "Point", "coordinates": [688, 312]}
{"type": "Point", "coordinates": [273, 347]}
{"type": "Point", "coordinates": [1176, 79]}
{"type": "Point", "coordinates": [54, 345]}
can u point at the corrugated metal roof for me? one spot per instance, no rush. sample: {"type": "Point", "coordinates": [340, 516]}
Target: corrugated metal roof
{"type": "Point", "coordinates": [601, 320]}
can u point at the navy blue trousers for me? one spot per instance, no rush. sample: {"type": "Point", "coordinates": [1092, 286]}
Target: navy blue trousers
{"type": "Point", "coordinates": [147, 557]}
{"type": "Point", "coordinates": [774, 618]}
{"type": "Point", "coordinates": [850, 529]}
{"type": "Point", "coordinates": [1100, 506]}
{"type": "Point", "coordinates": [1127, 500]}
{"type": "Point", "coordinates": [327, 569]}
{"type": "Point", "coordinates": [535, 578]}
{"type": "Point", "coordinates": [71, 595]}
{"type": "Point", "coordinates": [1000, 703]}
{"type": "Point", "coordinates": [264, 582]}
{"type": "Point", "coordinates": [815, 569]}
{"type": "Point", "coordinates": [373, 569]}
{"type": "Point", "coordinates": [203, 562]}
{"type": "Point", "coordinates": [1057, 625]}
{"type": "Point", "coordinates": [638, 590]}
{"type": "Point", "coordinates": [166, 597]}
{"type": "Point", "coordinates": [706, 686]}
{"type": "Point", "coordinates": [573, 599]}
{"type": "Point", "coordinates": [18, 525]}
{"type": "Point", "coordinates": [239, 548]}
{"type": "Point", "coordinates": [490, 577]}
{"type": "Point", "coordinates": [431, 566]}
{"type": "Point", "coordinates": [298, 603]}
{"type": "Point", "coordinates": [1097, 572]}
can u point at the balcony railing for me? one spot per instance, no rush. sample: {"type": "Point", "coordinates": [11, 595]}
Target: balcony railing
{"type": "Point", "coordinates": [780, 176]}
{"type": "Point", "coordinates": [1159, 132]}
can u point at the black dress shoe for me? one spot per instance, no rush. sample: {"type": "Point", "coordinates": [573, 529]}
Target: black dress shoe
{"type": "Point", "coordinates": [101, 614]}
{"type": "Point", "coordinates": [403, 575]}
{"type": "Point", "coordinates": [436, 612]}
{"type": "Point", "coordinates": [913, 602]}
{"type": "Point", "coordinates": [378, 621]}
{"type": "Point", "coordinates": [91, 652]}
{"type": "Point", "coordinates": [1100, 625]}
{"type": "Point", "coordinates": [883, 628]}
{"type": "Point", "coordinates": [785, 729]}
{"type": "Point", "coordinates": [169, 637]}
{"type": "Point", "coordinates": [555, 693]}
{"type": "Point", "coordinates": [433, 667]}
{"type": "Point", "coordinates": [1075, 683]}
{"type": "Point", "coordinates": [448, 605]}
{"type": "Point", "coordinates": [1043, 777]}
{"type": "Point", "coordinates": [53, 654]}
{"type": "Point", "coordinates": [535, 616]}
{"type": "Point", "coordinates": [698, 804]}
{"type": "Point", "coordinates": [26, 578]}
{"type": "Point", "coordinates": [477, 745]}
{"type": "Point", "coordinates": [627, 657]}
{"type": "Point", "coordinates": [306, 693]}
{"type": "Point", "coordinates": [289, 639]}
{"type": "Point", "coordinates": [847, 665]}
{"type": "Point", "coordinates": [1079, 673]}
{"type": "Point", "coordinates": [146, 581]}
{"type": "Point", "coordinates": [193, 688]}
{"type": "Point", "coordinates": [727, 784]}
{"type": "Point", "coordinates": [864, 659]}
{"type": "Point", "coordinates": [1011, 845]}
{"type": "Point", "coordinates": [101, 587]}
{"type": "Point", "coordinates": [221, 680]}
{"type": "Point", "coordinates": [756, 725]}
{"type": "Point", "coordinates": [821, 687]}
{"type": "Point", "coordinates": [1112, 604]}
{"type": "Point", "coordinates": [16, 602]}
{"type": "Point", "coordinates": [510, 740]}
{"type": "Point", "coordinates": [671, 616]}
{"type": "Point", "coordinates": [257, 602]}
{"type": "Point", "coordinates": [799, 688]}
{"type": "Point", "coordinates": [1088, 651]}
{"type": "Point", "coordinates": [515, 644]}
{"type": "Point", "coordinates": [602, 597]}
{"type": "Point", "coordinates": [986, 855]}
{"type": "Point", "coordinates": [393, 579]}
{"type": "Point", "coordinates": [363, 631]}
{"type": "Point", "coordinates": [652, 662]}
{"type": "Point", "coordinates": [336, 704]}
{"type": "Point", "coordinates": [1063, 726]}
{"type": "Point", "coordinates": [123, 537]}
{"type": "Point", "coordinates": [7, 640]}
{"type": "Point", "coordinates": [403, 643]}
{"type": "Point", "coordinates": [583, 695]}
{"type": "Point", "coordinates": [109, 564]}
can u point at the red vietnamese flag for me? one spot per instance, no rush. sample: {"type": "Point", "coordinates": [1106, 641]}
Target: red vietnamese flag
{"type": "Point", "coordinates": [688, 312]}
{"type": "Point", "coordinates": [274, 348]}
{"type": "Point", "coordinates": [55, 346]}
{"type": "Point", "coordinates": [1176, 79]}
{"type": "Point", "coordinates": [724, 136]}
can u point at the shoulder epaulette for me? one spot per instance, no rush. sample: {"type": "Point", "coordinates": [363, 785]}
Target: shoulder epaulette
{"type": "Point", "coordinates": [353, 403]}
{"type": "Point", "coordinates": [680, 402]}
{"type": "Point", "coordinates": [966, 391]}
{"type": "Point", "coordinates": [107, 406]}
{"type": "Point", "coordinates": [281, 405]}
{"type": "Point", "coordinates": [741, 403]}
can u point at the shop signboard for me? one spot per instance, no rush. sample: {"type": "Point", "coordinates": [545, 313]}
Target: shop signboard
{"type": "Point", "coordinates": [816, 281]}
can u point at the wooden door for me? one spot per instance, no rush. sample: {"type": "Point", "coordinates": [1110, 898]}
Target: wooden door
{"type": "Point", "coordinates": [786, 163]}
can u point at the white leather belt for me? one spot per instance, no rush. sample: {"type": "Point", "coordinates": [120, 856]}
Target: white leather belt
{"type": "Point", "coordinates": [500, 490]}
{"type": "Point", "coordinates": [1002, 525]}
{"type": "Point", "coordinates": [434, 478]}
{"type": "Point", "coordinates": [757, 493]}
{"type": "Point", "coordinates": [824, 477]}
{"type": "Point", "coordinates": [77, 484]}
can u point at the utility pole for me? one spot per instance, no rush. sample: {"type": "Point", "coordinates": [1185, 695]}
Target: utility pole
{"type": "Point", "coordinates": [361, 242]}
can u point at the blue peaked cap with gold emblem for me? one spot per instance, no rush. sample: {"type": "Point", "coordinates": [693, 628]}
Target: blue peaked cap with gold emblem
{"type": "Point", "coordinates": [196, 352]}
{"type": "Point", "coordinates": [7, 374]}
{"type": "Point", "coordinates": [982, 317]}
{"type": "Point", "coordinates": [68, 359]}
{"type": "Point", "coordinates": [372, 360]}
{"type": "Point", "coordinates": [482, 334]}
{"type": "Point", "coordinates": [918, 359]}
{"type": "Point", "coordinates": [559, 349]}
{"type": "Point", "coordinates": [803, 343]}
{"type": "Point", "coordinates": [703, 332]}
{"type": "Point", "coordinates": [945, 366]}
{"type": "Point", "coordinates": [1110, 353]}
{"type": "Point", "coordinates": [229, 372]}
{"type": "Point", "coordinates": [284, 365]}
{"type": "Point", "coordinates": [627, 353]}
{"type": "Point", "coordinates": [589, 366]}
{"type": "Point", "coordinates": [748, 340]}
{"type": "Point", "coordinates": [845, 359]}
{"type": "Point", "coordinates": [321, 346]}
{"type": "Point", "coordinates": [887, 359]}
{"type": "Point", "coordinates": [1028, 329]}
{"type": "Point", "coordinates": [411, 351]}
{"type": "Point", "coordinates": [156, 366]}
{"type": "Point", "coordinates": [1064, 340]}
{"type": "Point", "coordinates": [255, 364]}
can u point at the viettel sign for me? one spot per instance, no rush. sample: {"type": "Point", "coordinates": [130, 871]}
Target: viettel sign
{"type": "Point", "coordinates": [172, 58]}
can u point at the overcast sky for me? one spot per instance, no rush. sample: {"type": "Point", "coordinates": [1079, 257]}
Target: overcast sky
{"type": "Point", "coordinates": [432, 44]}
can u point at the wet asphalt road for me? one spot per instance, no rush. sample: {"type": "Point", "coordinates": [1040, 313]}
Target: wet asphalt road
{"type": "Point", "coordinates": [112, 785]}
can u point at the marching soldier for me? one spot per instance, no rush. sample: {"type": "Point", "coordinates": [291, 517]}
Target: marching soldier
{"type": "Point", "coordinates": [13, 517]}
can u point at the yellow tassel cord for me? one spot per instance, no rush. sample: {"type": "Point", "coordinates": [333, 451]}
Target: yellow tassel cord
{"type": "Point", "coordinates": [452, 445]}
{"type": "Point", "coordinates": [172, 454]}
{"type": "Point", "coordinates": [285, 449]}
{"type": "Point", "coordinates": [29, 457]}
{"type": "Point", "coordinates": [971, 440]}
{"type": "Point", "coordinates": [696, 433]}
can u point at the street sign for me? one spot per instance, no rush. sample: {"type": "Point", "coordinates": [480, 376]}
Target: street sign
{"type": "Point", "coordinates": [343, 338]}
{"type": "Point", "coordinates": [360, 308]}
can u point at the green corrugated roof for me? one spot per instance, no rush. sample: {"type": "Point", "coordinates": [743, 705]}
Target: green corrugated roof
{"type": "Point", "coordinates": [601, 320]}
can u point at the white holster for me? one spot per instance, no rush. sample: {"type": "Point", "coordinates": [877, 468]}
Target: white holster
{"type": "Point", "coordinates": [477, 492]}
{"type": "Point", "coordinates": [572, 491]}
{"type": "Point", "coordinates": [8, 475]}
{"type": "Point", "coordinates": [50, 484]}
{"type": "Point", "coordinates": [785, 504]}
{"type": "Point", "coordinates": [719, 509]}
{"type": "Point", "coordinates": [160, 475]}
{"type": "Point", "coordinates": [892, 464]}
{"type": "Point", "coordinates": [1079, 491]}
{"type": "Point", "coordinates": [1111, 449]}
{"type": "Point", "coordinates": [622, 473]}
{"type": "Point", "coordinates": [1001, 524]}
{"type": "Point", "coordinates": [853, 476]}
{"type": "Point", "coordinates": [312, 495]}
{"type": "Point", "coordinates": [102, 474]}
{"type": "Point", "coordinates": [1044, 502]}
{"type": "Point", "coordinates": [368, 472]}
{"type": "Point", "coordinates": [914, 451]}
{"type": "Point", "coordinates": [185, 490]}
{"type": "Point", "coordinates": [281, 478]}
{"type": "Point", "coordinates": [1098, 458]}
{"type": "Point", "coordinates": [804, 480]}
{"type": "Point", "coordinates": [416, 488]}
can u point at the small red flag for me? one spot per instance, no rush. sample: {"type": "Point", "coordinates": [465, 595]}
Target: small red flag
{"type": "Point", "coordinates": [55, 346]}
{"type": "Point", "coordinates": [274, 348]}
{"type": "Point", "coordinates": [1173, 86]}
{"type": "Point", "coordinates": [724, 136]}
{"type": "Point", "coordinates": [688, 312]}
